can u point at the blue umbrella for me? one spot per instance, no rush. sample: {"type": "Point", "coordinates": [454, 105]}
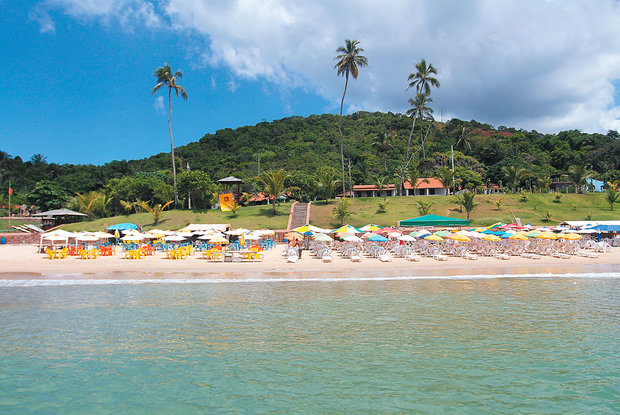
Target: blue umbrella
{"type": "Point", "coordinates": [376, 238]}
{"type": "Point", "coordinates": [122, 227]}
{"type": "Point", "coordinates": [606, 228]}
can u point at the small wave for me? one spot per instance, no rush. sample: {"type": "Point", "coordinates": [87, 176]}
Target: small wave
{"type": "Point", "coordinates": [310, 279]}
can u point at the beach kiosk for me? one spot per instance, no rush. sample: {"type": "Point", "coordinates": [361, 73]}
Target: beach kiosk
{"type": "Point", "coordinates": [433, 220]}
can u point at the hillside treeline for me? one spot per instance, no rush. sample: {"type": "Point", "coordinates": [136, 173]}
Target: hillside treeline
{"type": "Point", "coordinates": [374, 148]}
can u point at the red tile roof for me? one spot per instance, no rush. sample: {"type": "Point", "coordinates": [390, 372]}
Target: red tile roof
{"type": "Point", "coordinates": [423, 183]}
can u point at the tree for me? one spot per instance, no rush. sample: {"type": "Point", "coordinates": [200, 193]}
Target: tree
{"type": "Point", "coordinates": [383, 144]}
{"type": "Point", "coordinates": [198, 186]}
{"type": "Point", "coordinates": [166, 78]}
{"type": "Point", "coordinates": [420, 109]}
{"type": "Point", "coordinates": [88, 202]}
{"type": "Point", "coordinates": [422, 79]}
{"type": "Point", "coordinates": [412, 176]}
{"type": "Point", "coordinates": [341, 212]}
{"type": "Point", "coordinates": [424, 208]}
{"type": "Point", "coordinates": [499, 203]}
{"type": "Point", "coordinates": [155, 210]}
{"type": "Point", "coordinates": [47, 195]}
{"type": "Point", "coordinates": [611, 195]}
{"type": "Point", "coordinates": [578, 175]}
{"type": "Point", "coordinates": [466, 201]}
{"type": "Point", "coordinates": [381, 183]}
{"type": "Point", "coordinates": [349, 59]}
{"type": "Point", "coordinates": [514, 176]}
{"type": "Point", "coordinates": [273, 184]}
{"type": "Point", "coordinates": [327, 182]}
{"type": "Point", "coordinates": [446, 177]}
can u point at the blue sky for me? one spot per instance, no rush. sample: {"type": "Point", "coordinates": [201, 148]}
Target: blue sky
{"type": "Point", "coordinates": [77, 75]}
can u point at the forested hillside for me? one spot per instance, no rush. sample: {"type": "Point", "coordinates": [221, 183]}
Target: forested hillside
{"type": "Point", "coordinates": [375, 144]}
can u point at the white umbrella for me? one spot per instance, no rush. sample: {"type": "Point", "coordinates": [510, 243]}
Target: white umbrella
{"type": "Point", "coordinates": [55, 237]}
{"type": "Point", "coordinates": [351, 238]}
{"type": "Point", "coordinates": [87, 238]}
{"type": "Point", "coordinates": [103, 235]}
{"type": "Point", "coordinates": [406, 238]}
{"type": "Point", "coordinates": [174, 238]}
{"type": "Point", "coordinates": [133, 237]}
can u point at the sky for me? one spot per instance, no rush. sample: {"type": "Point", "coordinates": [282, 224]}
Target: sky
{"type": "Point", "coordinates": [77, 75]}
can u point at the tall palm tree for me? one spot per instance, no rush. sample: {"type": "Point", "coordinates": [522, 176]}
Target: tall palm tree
{"type": "Point", "coordinates": [165, 77]}
{"type": "Point", "coordinates": [420, 109]}
{"type": "Point", "coordinates": [422, 80]}
{"type": "Point", "coordinates": [383, 144]}
{"type": "Point", "coordinates": [446, 177]}
{"type": "Point", "coordinates": [348, 63]}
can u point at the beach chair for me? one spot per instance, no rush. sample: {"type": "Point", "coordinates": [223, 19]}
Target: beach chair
{"type": "Point", "coordinates": [502, 256]}
{"type": "Point", "coordinates": [292, 258]}
{"type": "Point", "coordinates": [470, 257]}
{"type": "Point", "coordinates": [412, 257]}
{"type": "Point", "coordinates": [327, 258]}
{"type": "Point", "coordinates": [587, 254]}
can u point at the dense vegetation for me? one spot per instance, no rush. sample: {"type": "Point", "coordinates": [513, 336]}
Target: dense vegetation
{"type": "Point", "coordinates": [308, 147]}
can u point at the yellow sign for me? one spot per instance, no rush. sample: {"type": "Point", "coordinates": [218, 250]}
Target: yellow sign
{"type": "Point", "coordinates": [226, 201]}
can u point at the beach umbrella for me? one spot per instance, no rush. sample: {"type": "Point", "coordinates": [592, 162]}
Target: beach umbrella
{"type": "Point", "coordinates": [547, 235]}
{"type": "Point", "coordinates": [103, 235]}
{"type": "Point", "coordinates": [87, 238]}
{"type": "Point", "coordinates": [219, 240]}
{"type": "Point", "coordinates": [457, 237]}
{"type": "Point", "coordinates": [321, 237]}
{"type": "Point", "coordinates": [490, 237]}
{"type": "Point", "coordinates": [442, 233]}
{"type": "Point", "coordinates": [406, 238]}
{"type": "Point", "coordinates": [570, 236]}
{"type": "Point", "coordinates": [376, 238]}
{"type": "Point", "coordinates": [346, 229]}
{"type": "Point", "coordinates": [422, 233]}
{"type": "Point", "coordinates": [310, 228]}
{"type": "Point", "coordinates": [532, 234]}
{"type": "Point", "coordinates": [433, 237]}
{"type": "Point", "coordinates": [174, 238]}
{"type": "Point", "coordinates": [132, 237]}
{"type": "Point", "coordinates": [294, 236]}
{"type": "Point", "coordinates": [351, 238]}
{"type": "Point", "coordinates": [394, 234]}
{"type": "Point", "coordinates": [520, 236]}
{"type": "Point", "coordinates": [265, 232]}
{"type": "Point", "coordinates": [55, 237]}
{"type": "Point", "coordinates": [370, 227]}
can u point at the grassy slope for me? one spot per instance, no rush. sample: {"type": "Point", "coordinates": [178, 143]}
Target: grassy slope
{"type": "Point", "coordinates": [252, 217]}
{"type": "Point", "coordinates": [364, 210]}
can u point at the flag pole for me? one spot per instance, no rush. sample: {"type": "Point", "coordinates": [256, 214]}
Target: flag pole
{"type": "Point", "coordinates": [10, 193]}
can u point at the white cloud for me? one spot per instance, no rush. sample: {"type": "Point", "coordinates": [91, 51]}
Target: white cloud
{"type": "Point", "coordinates": [42, 17]}
{"type": "Point", "coordinates": [537, 64]}
{"type": "Point", "coordinates": [158, 104]}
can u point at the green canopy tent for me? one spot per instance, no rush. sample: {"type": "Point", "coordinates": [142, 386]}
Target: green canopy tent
{"type": "Point", "coordinates": [433, 220]}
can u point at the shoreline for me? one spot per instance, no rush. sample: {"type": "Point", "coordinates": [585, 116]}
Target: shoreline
{"type": "Point", "coordinates": [22, 263]}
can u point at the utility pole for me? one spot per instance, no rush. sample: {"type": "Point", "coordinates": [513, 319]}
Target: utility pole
{"type": "Point", "coordinates": [10, 193]}
{"type": "Point", "coordinates": [189, 198]}
{"type": "Point", "coordinates": [452, 157]}
{"type": "Point", "coordinates": [350, 182]}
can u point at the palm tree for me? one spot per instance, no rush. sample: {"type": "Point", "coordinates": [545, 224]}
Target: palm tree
{"type": "Point", "coordinates": [349, 59]}
{"type": "Point", "coordinates": [611, 194]}
{"type": "Point", "coordinates": [327, 182]}
{"type": "Point", "coordinates": [155, 210]}
{"type": "Point", "coordinates": [422, 80]}
{"type": "Point", "coordinates": [383, 144]}
{"type": "Point", "coordinates": [424, 208]}
{"type": "Point", "coordinates": [446, 177]}
{"type": "Point", "coordinates": [381, 183]}
{"type": "Point", "coordinates": [273, 183]}
{"type": "Point", "coordinates": [412, 176]}
{"type": "Point", "coordinates": [341, 212]}
{"type": "Point", "coordinates": [88, 202]}
{"type": "Point", "coordinates": [419, 109]}
{"type": "Point", "coordinates": [166, 78]}
{"type": "Point", "coordinates": [38, 159]}
{"type": "Point", "coordinates": [514, 176]}
{"type": "Point", "coordinates": [463, 140]}
{"type": "Point", "coordinates": [579, 175]}
{"type": "Point", "coordinates": [466, 201]}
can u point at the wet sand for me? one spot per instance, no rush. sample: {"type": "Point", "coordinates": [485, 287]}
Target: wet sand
{"type": "Point", "coordinates": [19, 262]}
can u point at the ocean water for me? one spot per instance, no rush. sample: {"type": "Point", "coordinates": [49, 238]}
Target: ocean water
{"type": "Point", "coordinates": [534, 344]}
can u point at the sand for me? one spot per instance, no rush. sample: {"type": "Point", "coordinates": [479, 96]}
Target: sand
{"type": "Point", "coordinates": [22, 262]}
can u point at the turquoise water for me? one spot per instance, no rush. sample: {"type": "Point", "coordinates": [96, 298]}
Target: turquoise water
{"type": "Point", "coordinates": [466, 346]}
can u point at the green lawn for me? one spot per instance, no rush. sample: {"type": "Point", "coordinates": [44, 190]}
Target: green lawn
{"type": "Point", "coordinates": [251, 217]}
{"type": "Point", "coordinates": [364, 210]}
{"type": "Point", "coordinates": [571, 207]}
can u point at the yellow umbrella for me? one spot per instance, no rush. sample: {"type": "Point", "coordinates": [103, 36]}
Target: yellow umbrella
{"type": "Point", "coordinates": [570, 236]}
{"type": "Point", "coordinates": [490, 237]}
{"type": "Point", "coordinates": [458, 237]}
{"type": "Point", "coordinates": [433, 237]}
{"type": "Point", "coordinates": [547, 235]}
{"type": "Point", "coordinates": [520, 236]}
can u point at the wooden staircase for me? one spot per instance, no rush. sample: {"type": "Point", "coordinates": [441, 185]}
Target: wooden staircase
{"type": "Point", "coordinates": [299, 216]}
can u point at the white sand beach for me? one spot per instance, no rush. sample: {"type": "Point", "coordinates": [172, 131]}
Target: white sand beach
{"type": "Point", "coordinates": [22, 262]}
